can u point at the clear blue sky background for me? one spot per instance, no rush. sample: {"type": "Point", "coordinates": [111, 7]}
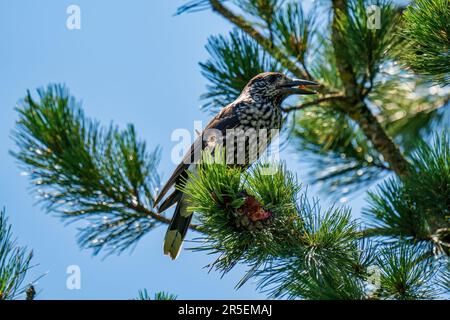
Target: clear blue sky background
{"type": "Point", "coordinates": [132, 62]}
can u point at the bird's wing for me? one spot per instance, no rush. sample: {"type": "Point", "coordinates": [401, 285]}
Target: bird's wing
{"type": "Point", "coordinates": [226, 119]}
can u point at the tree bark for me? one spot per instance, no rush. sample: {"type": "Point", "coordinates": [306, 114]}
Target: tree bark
{"type": "Point", "coordinates": [355, 106]}
{"type": "Point", "coordinates": [379, 138]}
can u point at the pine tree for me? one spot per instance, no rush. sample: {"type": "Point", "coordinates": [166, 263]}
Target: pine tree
{"type": "Point", "coordinates": [366, 124]}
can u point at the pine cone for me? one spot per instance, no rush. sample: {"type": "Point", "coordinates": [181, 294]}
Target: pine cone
{"type": "Point", "coordinates": [252, 215]}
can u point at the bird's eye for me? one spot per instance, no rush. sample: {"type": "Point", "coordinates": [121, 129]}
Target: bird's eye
{"type": "Point", "coordinates": [271, 78]}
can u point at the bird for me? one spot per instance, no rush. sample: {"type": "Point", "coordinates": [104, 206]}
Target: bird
{"type": "Point", "coordinates": [257, 107]}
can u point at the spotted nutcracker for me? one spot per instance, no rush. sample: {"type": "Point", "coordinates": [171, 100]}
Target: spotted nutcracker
{"type": "Point", "coordinates": [258, 107]}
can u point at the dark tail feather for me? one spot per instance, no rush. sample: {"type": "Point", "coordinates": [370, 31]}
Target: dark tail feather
{"type": "Point", "coordinates": [177, 230]}
{"type": "Point", "coordinates": [172, 199]}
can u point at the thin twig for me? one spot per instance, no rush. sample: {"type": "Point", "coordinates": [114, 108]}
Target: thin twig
{"type": "Point", "coordinates": [313, 103]}
{"type": "Point", "coordinates": [141, 209]}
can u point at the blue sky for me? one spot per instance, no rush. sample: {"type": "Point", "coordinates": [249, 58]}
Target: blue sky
{"type": "Point", "coordinates": [131, 62]}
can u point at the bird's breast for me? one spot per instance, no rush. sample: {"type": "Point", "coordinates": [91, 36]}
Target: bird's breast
{"type": "Point", "coordinates": [260, 117]}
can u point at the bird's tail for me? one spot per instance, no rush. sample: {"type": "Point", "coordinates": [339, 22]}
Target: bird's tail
{"type": "Point", "coordinates": [177, 229]}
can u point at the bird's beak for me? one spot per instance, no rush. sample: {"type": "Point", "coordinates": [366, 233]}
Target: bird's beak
{"type": "Point", "coordinates": [299, 86]}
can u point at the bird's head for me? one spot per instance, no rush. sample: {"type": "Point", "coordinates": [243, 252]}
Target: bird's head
{"type": "Point", "coordinates": [277, 86]}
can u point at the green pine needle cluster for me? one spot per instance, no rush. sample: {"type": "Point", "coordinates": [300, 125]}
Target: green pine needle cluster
{"type": "Point", "coordinates": [406, 275]}
{"type": "Point", "coordinates": [298, 236]}
{"type": "Point", "coordinates": [368, 42]}
{"type": "Point", "coordinates": [234, 61]}
{"type": "Point", "coordinates": [344, 160]}
{"type": "Point", "coordinates": [302, 250]}
{"type": "Point", "coordinates": [81, 170]}
{"type": "Point", "coordinates": [325, 263]}
{"type": "Point", "coordinates": [217, 191]}
{"type": "Point", "coordinates": [427, 31]}
{"type": "Point", "coordinates": [294, 30]}
{"type": "Point", "coordinates": [417, 209]}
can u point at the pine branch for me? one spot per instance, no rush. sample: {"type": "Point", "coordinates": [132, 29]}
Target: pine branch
{"type": "Point", "coordinates": [82, 171]}
{"type": "Point", "coordinates": [233, 62]}
{"type": "Point", "coordinates": [407, 107]}
{"type": "Point", "coordinates": [264, 42]}
{"type": "Point", "coordinates": [324, 65]}
{"type": "Point", "coordinates": [344, 161]}
{"type": "Point", "coordinates": [15, 262]}
{"type": "Point", "coordinates": [379, 138]}
{"type": "Point", "coordinates": [405, 276]}
{"type": "Point", "coordinates": [416, 209]}
{"type": "Point", "coordinates": [314, 102]}
{"type": "Point", "coordinates": [294, 31]}
{"type": "Point", "coordinates": [259, 219]}
{"type": "Point", "coordinates": [356, 107]}
{"type": "Point", "coordinates": [344, 66]}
